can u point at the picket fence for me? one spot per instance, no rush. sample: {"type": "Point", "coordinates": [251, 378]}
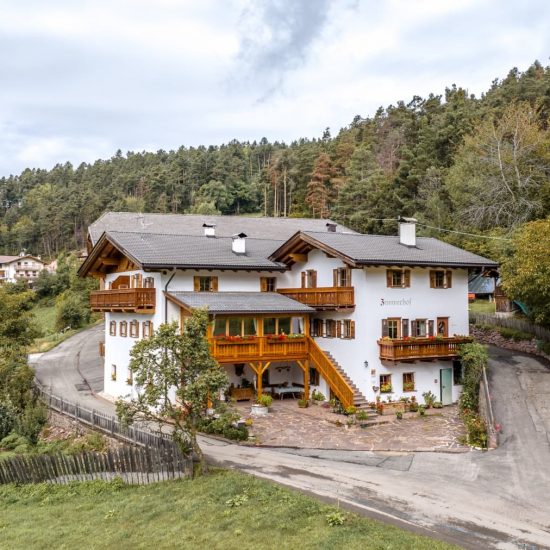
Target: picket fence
{"type": "Point", "coordinates": [134, 465]}
{"type": "Point", "coordinates": [523, 325]}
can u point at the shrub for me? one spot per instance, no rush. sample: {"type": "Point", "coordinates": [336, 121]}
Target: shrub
{"type": "Point", "coordinates": [477, 430]}
{"type": "Point", "coordinates": [264, 400]}
{"type": "Point", "coordinates": [413, 407]}
{"type": "Point", "coordinates": [543, 346]}
{"type": "Point", "coordinates": [224, 423]}
{"type": "Point", "coordinates": [513, 334]}
{"type": "Point", "coordinates": [361, 415]}
{"type": "Point", "coordinates": [399, 415]}
{"type": "Point", "coordinates": [7, 419]}
{"type": "Point", "coordinates": [13, 441]}
{"type": "Point", "coordinates": [72, 310]}
{"type": "Point", "coordinates": [335, 518]}
{"type": "Point", "coordinates": [351, 410]}
{"type": "Point", "coordinates": [421, 410]}
{"type": "Point", "coordinates": [303, 403]}
{"type": "Point", "coordinates": [438, 405]}
{"type": "Point", "coordinates": [317, 396]}
{"type": "Point", "coordinates": [30, 422]}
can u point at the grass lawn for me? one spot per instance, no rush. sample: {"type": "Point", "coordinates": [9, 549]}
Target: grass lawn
{"type": "Point", "coordinates": [482, 306]}
{"type": "Point", "coordinates": [225, 510]}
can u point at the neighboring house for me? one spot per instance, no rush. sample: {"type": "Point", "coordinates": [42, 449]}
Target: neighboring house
{"type": "Point", "coordinates": [481, 287]}
{"type": "Point", "coordinates": [295, 304]}
{"type": "Point", "coordinates": [24, 266]}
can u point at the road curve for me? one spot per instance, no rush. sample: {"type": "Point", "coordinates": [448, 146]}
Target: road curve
{"type": "Point", "coordinates": [496, 499]}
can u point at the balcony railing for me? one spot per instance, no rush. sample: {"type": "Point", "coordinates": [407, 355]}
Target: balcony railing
{"type": "Point", "coordinates": [421, 348]}
{"type": "Point", "coordinates": [329, 297]}
{"type": "Point", "coordinates": [137, 300]}
{"type": "Point", "coordinates": [255, 348]}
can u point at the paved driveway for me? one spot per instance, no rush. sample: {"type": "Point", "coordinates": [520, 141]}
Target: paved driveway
{"type": "Point", "coordinates": [498, 499]}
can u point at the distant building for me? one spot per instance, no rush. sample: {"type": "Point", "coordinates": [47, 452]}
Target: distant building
{"type": "Point", "coordinates": [25, 266]}
{"type": "Point", "coordinates": [481, 287]}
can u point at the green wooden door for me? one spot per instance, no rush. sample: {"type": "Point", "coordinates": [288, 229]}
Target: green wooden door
{"type": "Point", "coordinates": [446, 384]}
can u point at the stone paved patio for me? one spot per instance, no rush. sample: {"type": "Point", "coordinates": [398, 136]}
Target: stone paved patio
{"type": "Point", "coordinates": [287, 425]}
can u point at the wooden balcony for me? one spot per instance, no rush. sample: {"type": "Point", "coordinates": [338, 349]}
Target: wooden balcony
{"type": "Point", "coordinates": [258, 348]}
{"type": "Point", "coordinates": [421, 348]}
{"type": "Point", "coordinates": [133, 300]}
{"type": "Point", "coordinates": [327, 298]}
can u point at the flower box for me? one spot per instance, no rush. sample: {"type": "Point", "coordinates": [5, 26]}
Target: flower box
{"type": "Point", "coordinates": [392, 408]}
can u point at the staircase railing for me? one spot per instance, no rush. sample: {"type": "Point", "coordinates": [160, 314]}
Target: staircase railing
{"type": "Point", "coordinates": [328, 371]}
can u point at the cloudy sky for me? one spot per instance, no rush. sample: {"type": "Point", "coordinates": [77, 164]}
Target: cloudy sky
{"type": "Point", "coordinates": [80, 80]}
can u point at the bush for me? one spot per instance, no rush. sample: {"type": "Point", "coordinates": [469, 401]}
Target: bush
{"type": "Point", "coordinates": [513, 334]}
{"type": "Point", "coordinates": [399, 415]}
{"type": "Point", "coordinates": [413, 407]}
{"type": "Point", "coordinates": [477, 430]}
{"type": "Point", "coordinates": [264, 400]}
{"type": "Point", "coordinates": [13, 441]}
{"type": "Point", "coordinates": [421, 410]}
{"type": "Point", "coordinates": [543, 346]}
{"type": "Point", "coordinates": [72, 310]}
{"type": "Point", "coordinates": [361, 415]}
{"type": "Point", "coordinates": [7, 419]}
{"type": "Point", "coordinates": [317, 396]}
{"type": "Point", "coordinates": [224, 423]}
{"type": "Point", "coordinates": [30, 422]}
{"type": "Point", "coordinates": [351, 410]}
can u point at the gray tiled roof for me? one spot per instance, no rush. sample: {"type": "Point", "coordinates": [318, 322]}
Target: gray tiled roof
{"type": "Point", "coordinates": [160, 250]}
{"type": "Point", "coordinates": [241, 302]}
{"type": "Point", "coordinates": [386, 250]}
{"type": "Point", "coordinates": [191, 224]}
{"type": "Point", "coordinates": [481, 285]}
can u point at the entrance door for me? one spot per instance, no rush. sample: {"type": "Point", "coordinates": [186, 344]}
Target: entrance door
{"type": "Point", "coordinates": [446, 386]}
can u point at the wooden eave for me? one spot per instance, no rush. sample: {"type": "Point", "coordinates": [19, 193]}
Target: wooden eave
{"type": "Point", "coordinates": [107, 257]}
{"type": "Point", "coordinates": [178, 303]}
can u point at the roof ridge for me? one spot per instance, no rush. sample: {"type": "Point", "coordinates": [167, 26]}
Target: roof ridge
{"type": "Point", "coordinates": [108, 231]}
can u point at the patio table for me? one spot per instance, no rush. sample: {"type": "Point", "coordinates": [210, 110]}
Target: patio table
{"type": "Point", "coordinates": [281, 392]}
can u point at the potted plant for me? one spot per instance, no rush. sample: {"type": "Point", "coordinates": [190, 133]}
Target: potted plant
{"type": "Point", "coordinates": [317, 397]}
{"type": "Point", "coordinates": [408, 386]}
{"type": "Point", "coordinates": [386, 388]}
{"type": "Point", "coordinates": [429, 399]}
{"type": "Point", "coordinates": [261, 407]}
{"type": "Point", "coordinates": [303, 403]}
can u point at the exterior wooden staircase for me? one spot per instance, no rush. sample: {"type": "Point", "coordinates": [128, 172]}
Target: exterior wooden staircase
{"type": "Point", "coordinates": [340, 383]}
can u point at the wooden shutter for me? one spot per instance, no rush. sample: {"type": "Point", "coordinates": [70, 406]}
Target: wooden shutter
{"type": "Point", "coordinates": [352, 329]}
{"type": "Point", "coordinates": [348, 277]}
{"type": "Point", "coordinates": [432, 279]}
{"type": "Point", "coordinates": [389, 278]}
{"type": "Point", "coordinates": [413, 328]}
{"type": "Point", "coordinates": [448, 279]}
{"type": "Point", "coordinates": [313, 278]}
{"type": "Point", "coordinates": [404, 328]}
{"type": "Point", "coordinates": [430, 327]}
{"type": "Point", "coordinates": [385, 330]}
{"type": "Point", "coordinates": [196, 284]}
{"type": "Point", "coordinates": [323, 328]}
{"type": "Point", "coordinates": [214, 284]}
{"type": "Point", "coordinates": [303, 275]}
{"type": "Point", "coordinates": [407, 278]}
{"type": "Point", "coordinates": [339, 329]}
{"type": "Point", "coordinates": [263, 284]}
{"type": "Point", "coordinates": [335, 277]}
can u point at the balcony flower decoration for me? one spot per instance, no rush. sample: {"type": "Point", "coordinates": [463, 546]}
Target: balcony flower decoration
{"type": "Point", "coordinates": [386, 388]}
{"type": "Point", "coordinates": [236, 338]}
{"type": "Point", "coordinates": [408, 386]}
{"type": "Point", "coordinates": [295, 336]}
{"type": "Point", "coordinates": [277, 337]}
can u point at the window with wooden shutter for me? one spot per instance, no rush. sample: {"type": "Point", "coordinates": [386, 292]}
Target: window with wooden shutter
{"type": "Point", "coordinates": [341, 277]}
{"type": "Point", "coordinates": [147, 329]}
{"type": "Point", "coordinates": [385, 330]}
{"type": "Point", "coordinates": [268, 284]}
{"type": "Point", "coordinates": [123, 328]}
{"type": "Point", "coordinates": [214, 284]}
{"type": "Point", "coordinates": [303, 279]}
{"type": "Point", "coordinates": [449, 278]}
{"type": "Point", "coordinates": [196, 284]}
{"type": "Point", "coordinates": [408, 381]}
{"type": "Point", "coordinates": [348, 329]}
{"type": "Point", "coordinates": [430, 327]}
{"type": "Point", "coordinates": [407, 278]}
{"type": "Point", "coordinates": [405, 328]}
{"type": "Point", "coordinates": [441, 279]}
{"type": "Point", "coordinates": [330, 328]}
{"type": "Point", "coordinates": [389, 278]}
{"type": "Point", "coordinates": [263, 284]}
{"type": "Point", "coordinates": [149, 282]}
{"type": "Point", "coordinates": [433, 279]}
{"type": "Point", "coordinates": [335, 277]}
{"type": "Point", "coordinates": [352, 329]}
{"type": "Point", "coordinates": [394, 326]}
{"type": "Point", "coordinates": [338, 329]}
{"type": "Point", "coordinates": [414, 328]}
{"type": "Point", "coordinates": [134, 329]}
{"type": "Point", "coordinates": [112, 328]}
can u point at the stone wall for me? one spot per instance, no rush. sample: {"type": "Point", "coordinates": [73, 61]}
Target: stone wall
{"type": "Point", "coordinates": [494, 338]}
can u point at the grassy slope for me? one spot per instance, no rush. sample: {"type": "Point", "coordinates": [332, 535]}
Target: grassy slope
{"type": "Point", "coordinates": [482, 306]}
{"type": "Point", "coordinates": [185, 514]}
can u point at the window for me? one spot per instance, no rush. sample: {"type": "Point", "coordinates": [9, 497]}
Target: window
{"type": "Point", "coordinates": [147, 329]}
{"type": "Point", "coordinates": [219, 327]}
{"type": "Point", "coordinates": [348, 329]}
{"type": "Point", "coordinates": [341, 276]}
{"type": "Point", "coordinates": [149, 282]}
{"type": "Point", "coordinates": [268, 284]}
{"type": "Point", "coordinates": [398, 278]}
{"type": "Point", "coordinates": [270, 325]}
{"type": "Point", "coordinates": [391, 328]}
{"type": "Point", "coordinates": [136, 280]}
{"type": "Point", "coordinates": [317, 328]}
{"type": "Point", "coordinates": [112, 328]}
{"type": "Point", "coordinates": [408, 381]}
{"type": "Point", "coordinates": [309, 278]}
{"type": "Point", "coordinates": [385, 383]}
{"type": "Point", "coordinates": [443, 326]}
{"type": "Point", "coordinates": [330, 325]}
{"type": "Point", "coordinates": [457, 373]}
{"type": "Point", "coordinates": [441, 279]}
{"type": "Point", "coordinates": [123, 328]}
{"type": "Point", "coordinates": [235, 326]}
{"type": "Point", "coordinates": [134, 329]}
{"type": "Point", "coordinates": [421, 328]}
{"type": "Point", "coordinates": [313, 376]}
{"type": "Point", "coordinates": [284, 325]}
{"type": "Point", "coordinates": [205, 284]}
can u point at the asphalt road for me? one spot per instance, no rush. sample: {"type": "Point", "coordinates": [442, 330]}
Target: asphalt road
{"type": "Point", "coordinates": [495, 499]}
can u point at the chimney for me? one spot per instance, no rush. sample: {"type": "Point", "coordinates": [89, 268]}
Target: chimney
{"type": "Point", "coordinates": [209, 229]}
{"type": "Point", "coordinates": [331, 227]}
{"type": "Point", "coordinates": [239, 243]}
{"type": "Point", "coordinates": [407, 231]}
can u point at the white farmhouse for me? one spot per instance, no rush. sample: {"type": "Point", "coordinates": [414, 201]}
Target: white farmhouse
{"type": "Point", "coordinates": [295, 304]}
{"type": "Point", "coordinates": [24, 266]}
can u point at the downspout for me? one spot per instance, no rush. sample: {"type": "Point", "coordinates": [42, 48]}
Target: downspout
{"type": "Point", "coordinates": [165, 298]}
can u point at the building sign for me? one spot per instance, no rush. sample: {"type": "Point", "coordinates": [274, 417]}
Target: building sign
{"type": "Point", "coordinates": [402, 302]}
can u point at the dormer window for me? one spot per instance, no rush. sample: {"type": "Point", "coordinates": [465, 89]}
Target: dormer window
{"type": "Point", "coordinates": [398, 278]}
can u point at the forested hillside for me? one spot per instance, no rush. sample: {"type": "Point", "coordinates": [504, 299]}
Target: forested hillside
{"type": "Point", "coordinates": [478, 165]}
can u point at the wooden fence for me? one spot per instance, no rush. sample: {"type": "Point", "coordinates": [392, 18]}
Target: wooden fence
{"type": "Point", "coordinates": [511, 322]}
{"type": "Point", "coordinates": [106, 424]}
{"type": "Point", "coordinates": [135, 465]}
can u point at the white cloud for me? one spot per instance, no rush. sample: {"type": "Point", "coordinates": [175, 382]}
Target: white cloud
{"type": "Point", "coordinates": [81, 80]}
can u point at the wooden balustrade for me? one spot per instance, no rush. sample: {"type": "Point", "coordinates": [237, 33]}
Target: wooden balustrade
{"type": "Point", "coordinates": [330, 297]}
{"type": "Point", "coordinates": [421, 348]}
{"type": "Point", "coordinates": [137, 300]}
{"type": "Point", "coordinates": [258, 348]}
